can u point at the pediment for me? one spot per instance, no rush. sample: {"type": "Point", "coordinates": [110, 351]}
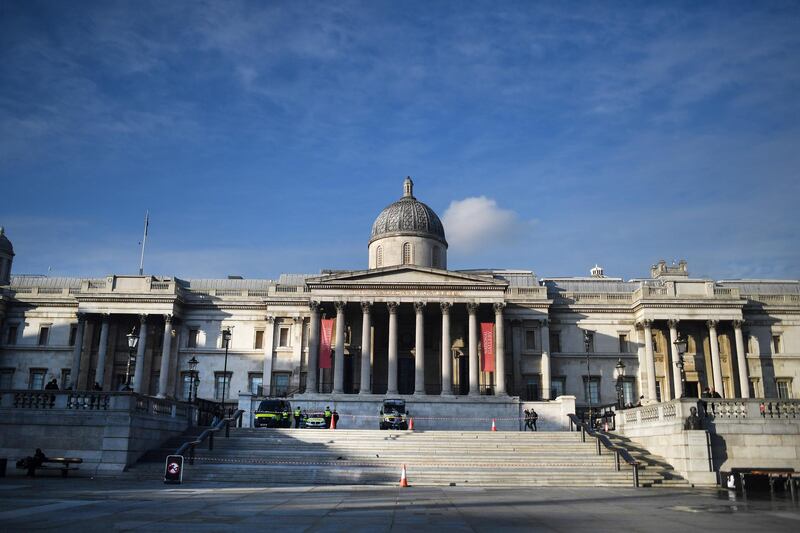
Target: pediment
{"type": "Point", "coordinates": [404, 275]}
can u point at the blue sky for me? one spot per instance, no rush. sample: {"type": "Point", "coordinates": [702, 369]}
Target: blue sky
{"type": "Point", "coordinates": [265, 137]}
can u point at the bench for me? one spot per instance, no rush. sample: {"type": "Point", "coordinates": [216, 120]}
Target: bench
{"type": "Point", "coordinates": [65, 464]}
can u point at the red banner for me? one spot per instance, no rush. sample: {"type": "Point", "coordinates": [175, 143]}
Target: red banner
{"type": "Point", "coordinates": [325, 337]}
{"type": "Point", "coordinates": [487, 343]}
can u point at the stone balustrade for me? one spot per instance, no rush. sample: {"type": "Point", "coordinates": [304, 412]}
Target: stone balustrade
{"type": "Point", "coordinates": [93, 401]}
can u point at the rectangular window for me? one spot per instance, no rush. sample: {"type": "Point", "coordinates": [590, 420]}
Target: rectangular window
{"type": "Point", "coordinates": [555, 342]}
{"type": "Point", "coordinates": [532, 389]}
{"type": "Point", "coordinates": [588, 341]}
{"type": "Point", "coordinates": [591, 389]}
{"type": "Point", "coordinates": [258, 342]}
{"type": "Point", "coordinates": [776, 344]}
{"type": "Point", "coordinates": [73, 333]}
{"type": "Point", "coordinates": [6, 378]}
{"type": "Point", "coordinates": [44, 333]}
{"type": "Point", "coordinates": [255, 383]}
{"type": "Point", "coordinates": [755, 390]}
{"type": "Point", "coordinates": [280, 383]}
{"type": "Point", "coordinates": [65, 378]}
{"type": "Point", "coordinates": [283, 337]}
{"type": "Point", "coordinates": [658, 390]}
{"type": "Point", "coordinates": [530, 339]}
{"type": "Point", "coordinates": [629, 392]}
{"type": "Point", "coordinates": [221, 379]}
{"type": "Point", "coordinates": [186, 384]}
{"type": "Point", "coordinates": [36, 380]}
{"type": "Point", "coordinates": [623, 343]}
{"type": "Point", "coordinates": [194, 334]}
{"type": "Point", "coordinates": [784, 386]}
{"type": "Point", "coordinates": [11, 338]}
{"type": "Point", "coordinates": [557, 387]}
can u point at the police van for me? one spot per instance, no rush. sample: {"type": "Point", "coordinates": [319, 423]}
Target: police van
{"type": "Point", "coordinates": [394, 414]}
{"type": "Point", "coordinates": [273, 414]}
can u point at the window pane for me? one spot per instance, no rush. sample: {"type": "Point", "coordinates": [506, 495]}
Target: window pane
{"type": "Point", "coordinates": [193, 334]}
{"type": "Point", "coordinates": [6, 379]}
{"type": "Point", "coordinates": [284, 337]}
{"type": "Point", "coordinates": [259, 341]}
{"type": "Point", "coordinates": [555, 342]}
{"type": "Point", "coordinates": [556, 388]}
{"type": "Point", "coordinates": [623, 344]}
{"type": "Point", "coordinates": [784, 389]}
{"type": "Point", "coordinates": [628, 393]}
{"type": "Point", "coordinates": [592, 389]}
{"type": "Point", "coordinates": [530, 339]}
{"type": "Point", "coordinates": [43, 334]}
{"type": "Point", "coordinates": [12, 335]}
{"type": "Point", "coordinates": [37, 380]}
{"type": "Point", "coordinates": [532, 389]}
{"type": "Point", "coordinates": [255, 382]}
{"type": "Point", "coordinates": [219, 379]}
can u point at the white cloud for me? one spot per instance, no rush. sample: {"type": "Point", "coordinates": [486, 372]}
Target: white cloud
{"type": "Point", "coordinates": [478, 222]}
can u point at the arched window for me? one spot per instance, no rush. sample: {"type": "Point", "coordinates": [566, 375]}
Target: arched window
{"type": "Point", "coordinates": [379, 256]}
{"type": "Point", "coordinates": [437, 257]}
{"type": "Point", "coordinates": [408, 257]}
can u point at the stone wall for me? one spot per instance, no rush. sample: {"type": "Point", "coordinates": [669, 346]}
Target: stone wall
{"type": "Point", "coordinates": [109, 431]}
{"type": "Point", "coordinates": [432, 412]}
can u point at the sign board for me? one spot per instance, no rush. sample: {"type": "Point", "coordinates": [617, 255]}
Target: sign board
{"type": "Point", "coordinates": [173, 469]}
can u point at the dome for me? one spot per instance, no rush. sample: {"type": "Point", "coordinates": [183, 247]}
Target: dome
{"type": "Point", "coordinates": [408, 216]}
{"type": "Point", "coordinates": [5, 244]}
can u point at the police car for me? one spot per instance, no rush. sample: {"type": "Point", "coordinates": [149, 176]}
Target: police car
{"type": "Point", "coordinates": [314, 420]}
{"type": "Point", "coordinates": [394, 415]}
{"type": "Point", "coordinates": [270, 413]}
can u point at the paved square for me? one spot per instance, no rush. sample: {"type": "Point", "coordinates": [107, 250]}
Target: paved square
{"type": "Point", "coordinates": [117, 505]}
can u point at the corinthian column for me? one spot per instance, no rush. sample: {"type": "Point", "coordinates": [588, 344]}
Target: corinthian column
{"type": "Point", "coordinates": [447, 357]}
{"type": "Point", "coordinates": [313, 349]}
{"type": "Point", "coordinates": [419, 349]}
{"type": "Point", "coordinates": [366, 348]}
{"type": "Point", "coordinates": [474, 367]}
{"type": "Point", "coordinates": [138, 373]}
{"type": "Point", "coordinates": [338, 370]}
{"type": "Point", "coordinates": [716, 364]}
{"type": "Point", "coordinates": [546, 379]}
{"type": "Point", "coordinates": [391, 387]}
{"type": "Point", "coordinates": [500, 351]}
{"type": "Point", "coordinates": [102, 350]}
{"type": "Point", "coordinates": [269, 345]}
{"type": "Point", "coordinates": [76, 353]}
{"type": "Point", "coordinates": [166, 349]}
{"type": "Point", "coordinates": [741, 360]}
{"type": "Point", "coordinates": [650, 360]}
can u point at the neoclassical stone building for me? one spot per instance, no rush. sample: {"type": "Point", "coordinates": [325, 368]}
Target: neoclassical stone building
{"type": "Point", "coordinates": [404, 325]}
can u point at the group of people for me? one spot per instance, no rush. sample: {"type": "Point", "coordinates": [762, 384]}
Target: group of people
{"type": "Point", "coordinates": [53, 385]}
{"type": "Point", "coordinates": [530, 419]}
{"type": "Point", "coordinates": [299, 415]}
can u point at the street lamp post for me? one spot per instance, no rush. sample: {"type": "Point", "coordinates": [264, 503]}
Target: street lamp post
{"type": "Point", "coordinates": [619, 374]}
{"type": "Point", "coordinates": [133, 342]}
{"type": "Point", "coordinates": [587, 341]}
{"type": "Point", "coordinates": [192, 368]}
{"type": "Point", "coordinates": [680, 346]}
{"type": "Point", "coordinates": [226, 339]}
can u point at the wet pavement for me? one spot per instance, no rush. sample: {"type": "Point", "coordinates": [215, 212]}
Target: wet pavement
{"type": "Point", "coordinates": [84, 505]}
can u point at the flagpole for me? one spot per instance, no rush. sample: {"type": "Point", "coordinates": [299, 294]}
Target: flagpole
{"type": "Point", "coordinates": [144, 241]}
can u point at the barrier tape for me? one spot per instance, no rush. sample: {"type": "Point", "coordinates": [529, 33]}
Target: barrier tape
{"type": "Point", "coordinates": [489, 419]}
{"type": "Point", "coordinates": [346, 462]}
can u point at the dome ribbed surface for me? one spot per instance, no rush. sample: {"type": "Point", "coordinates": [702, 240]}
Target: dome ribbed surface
{"type": "Point", "coordinates": [408, 216]}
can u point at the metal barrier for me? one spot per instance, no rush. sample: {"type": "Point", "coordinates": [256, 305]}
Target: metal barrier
{"type": "Point", "coordinates": [620, 454]}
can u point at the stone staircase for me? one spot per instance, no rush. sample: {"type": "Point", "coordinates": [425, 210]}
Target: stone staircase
{"type": "Point", "coordinates": [374, 457]}
{"type": "Point", "coordinates": [650, 461]}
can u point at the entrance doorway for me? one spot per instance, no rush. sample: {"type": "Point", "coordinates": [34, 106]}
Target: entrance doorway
{"type": "Point", "coordinates": [405, 375]}
{"type": "Point", "coordinates": [463, 375]}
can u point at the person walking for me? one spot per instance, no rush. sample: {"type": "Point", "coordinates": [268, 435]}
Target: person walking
{"type": "Point", "coordinates": [297, 417]}
{"type": "Point", "coordinates": [527, 420]}
{"type": "Point", "coordinates": [327, 414]}
{"type": "Point", "coordinates": [534, 417]}
{"type": "Point", "coordinates": [51, 385]}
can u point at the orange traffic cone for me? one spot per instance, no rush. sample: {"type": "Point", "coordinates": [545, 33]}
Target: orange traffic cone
{"type": "Point", "coordinates": [403, 479]}
{"type": "Point", "coordinates": [333, 423]}
{"type": "Point", "coordinates": [494, 426]}
{"type": "Point", "coordinates": [411, 424]}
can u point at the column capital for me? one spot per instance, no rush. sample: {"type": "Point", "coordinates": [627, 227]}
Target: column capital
{"type": "Point", "coordinates": [472, 307]}
{"type": "Point", "coordinates": [498, 307]}
{"type": "Point", "coordinates": [445, 307]}
{"type": "Point", "coordinates": [339, 304]}
{"type": "Point", "coordinates": [298, 319]}
{"type": "Point", "coordinates": [168, 319]}
{"type": "Point", "coordinates": [81, 317]}
{"type": "Point", "coordinates": [712, 324]}
{"type": "Point", "coordinates": [142, 318]}
{"type": "Point", "coordinates": [392, 307]}
{"type": "Point", "coordinates": [737, 324]}
{"type": "Point", "coordinates": [270, 319]}
{"type": "Point", "coordinates": [313, 305]}
{"type": "Point", "coordinates": [644, 324]}
{"type": "Point", "coordinates": [545, 322]}
{"type": "Point", "coordinates": [419, 307]}
{"type": "Point", "coordinates": [365, 307]}
{"type": "Point", "coordinates": [105, 317]}
{"type": "Point", "coordinates": [673, 322]}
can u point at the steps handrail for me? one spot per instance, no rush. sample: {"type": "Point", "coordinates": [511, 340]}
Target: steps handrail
{"type": "Point", "coordinates": [621, 453]}
{"type": "Point", "coordinates": [209, 434]}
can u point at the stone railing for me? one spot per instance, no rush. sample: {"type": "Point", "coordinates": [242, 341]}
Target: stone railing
{"type": "Point", "coordinates": [93, 401]}
{"type": "Point", "coordinates": [669, 291]}
{"type": "Point", "coordinates": [612, 298]}
{"type": "Point", "coordinates": [538, 293]}
{"type": "Point", "coordinates": [716, 409]}
{"type": "Point", "coordinates": [774, 299]}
